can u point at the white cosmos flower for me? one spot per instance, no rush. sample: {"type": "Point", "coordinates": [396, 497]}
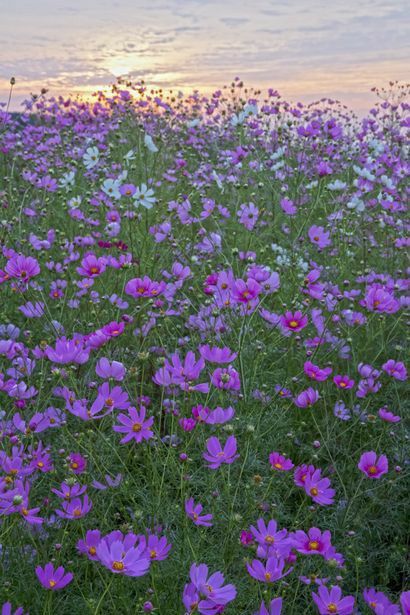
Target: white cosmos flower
{"type": "Point", "coordinates": [91, 157]}
{"type": "Point", "coordinates": [144, 196]}
{"type": "Point", "coordinates": [149, 144]}
{"type": "Point", "coordinates": [67, 181]}
{"type": "Point", "coordinates": [111, 187]}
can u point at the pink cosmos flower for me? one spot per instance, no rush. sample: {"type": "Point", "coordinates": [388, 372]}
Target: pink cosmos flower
{"type": "Point", "coordinates": [343, 382]}
{"type": "Point", "coordinates": [91, 266]}
{"type": "Point", "coordinates": [314, 542]}
{"type": "Point", "coordinates": [275, 608]}
{"type": "Point", "coordinates": [270, 571]}
{"type": "Point", "coordinates": [22, 267]}
{"type": "Point", "coordinates": [216, 456]}
{"type": "Point", "coordinates": [135, 425]}
{"type": "Point", "coordinates": [194, 511]}
{"type": "Point", "coordinates": [293, 321]}
{"type": "Point", "coordinates": [319, 236]}
{"type": "Point", "coordinates": [53, 579]}
{"type": "Point", "coordinates": [279, 462]}
{"type": "Point", "coordinates": [109, 399]}
{"type": "Point", "coordinates": [319, 489]}
{"type": "Point", "coordinates": [306, 398]}
{"type": "Point", "coordinates": [332, 601]}
{"type": "Point", "coordinates": [209, 593]}
{"type": "Point", "coordinates": [219, 416]}
{"type": "Point", "coordinates": [226, 378]}
{"type": "Point", "coordinates": [388, 416]}
{"type": "Point", "coordinates": [315, 372]}
{"type": "Point", "coordinates": [68, 492]}
{"type": "Point", "coordinates": [396, 369]}
{"type": "Point", "coordinates": [245, 292]}
{"type": "Point", "coordinates": [372, 466]}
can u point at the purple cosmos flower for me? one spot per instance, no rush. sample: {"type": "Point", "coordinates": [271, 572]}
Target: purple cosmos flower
{"type": "Point", "coordinates": [105, 369]}
{"type": "Point", "coordinates": [7, 609]}
{"type": "Point", "coordinates": [319, 236]}
{"type": "Point", "coordinates": [213, 354]}
{"type": "Point", "coordinates": [375, 599]}
{"type": "Point", "coordinates": [372, 466]}
{"type": "Point", "coordinates": [53, 579]}
{"type": "Point", "coordinates": [279, 462]}
{"type": "Point", "coordinates": [216, 455]}
{"type": "Point", "coordinates": [405, 602]}
{"type": "Point", "coordinates": [22, 267]}
{"type": "Point", "coordinates": [68, 492]}
{"type": "Point", "coordinates": [135, 425]}
{"type": "Point", "coordinates": [89, 545]}
{"type": "Point", "coordinates": [118, 553]}
{"type": "Point", "coordinates": [301, 473]}
{"type": "Point", "coordinates": [388, 416]}
{"type": "Point", "coordinates": [274, 608]}
{"type": "Point", "coordinates": [272, 540]}
{"type": "Point", "coordinates": [111, 482]}
{"type": "Point", "coordinates": [332, 601]}
{"type": "Point", "coordinates": [210, 588]}
{"type": "Point", "coordinates": [319, 489]}
{"type": "Point", "coordinates": [75, 508]}
{"type": "Point", "coordinates": [67, 351]}
{"type": "Point", "coordinates": [77, 463]}
{"type": "Point", "coordinates": [396, 369]}
{"type": "Point", "coordinates": [91, 266]}
{"type": "Point", "coordinates": [157, 548]}
{"type": "Point", "coordinates": [314, 542]}
{"type": "Point", "coordinates": [270, 571]}
{"type": "Point", "coordinates": [109, 399]}
{"type": "Point", "coordinates": [193, 511]}
{"type": "Point", "coordinates": [226, 378]}
{"type": "Point", "coordinates": [306, 398]}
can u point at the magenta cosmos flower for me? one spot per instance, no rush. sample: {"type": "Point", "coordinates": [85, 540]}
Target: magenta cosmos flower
{"type": "Point", "coordinates": [314, 542]}
{"type": "Point", "coordinates": [275, 608]}
{"type": "Point", "coordinates": [213, 354]}
{"type": "Point", "coordinates": [75, 509]}
{"type": "Point", "coordinates": [135, 426]}
{"type": "Point", "coordinates": [268, 572]}
{"type": "Point", "coordinates": [91, 266]}
{"type": "Point", "coordinates": [144, 287]}
{"type": "Point", "coordinates": [22, 267]}
{"type": "Point", "coordinates": [279, 462]}
{"type": "Point", "coordinates": [216, 455]}
{"type": "Point", "coordinates": [293, 321]}
{"type": "Point", "coordinates": [193, 511]}
{"type": "Point", "coordinates": [306, 398]}
{"type": "Point", "coordinates": [315, 372]}
{"type": "Point", "coordinates": [53, 579]}
{"type": "Point", "coordinates": [372, 466]}
{"type": "Point", "coordinates": [329, 602]}
{"type": "Point", "coordinates": [319, 236]}
{"type": "Point", "coordinates": [343, 382]}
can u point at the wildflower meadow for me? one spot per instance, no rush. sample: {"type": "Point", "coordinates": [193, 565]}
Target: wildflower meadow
{"type": "Point", "coordinates": [203, 354]}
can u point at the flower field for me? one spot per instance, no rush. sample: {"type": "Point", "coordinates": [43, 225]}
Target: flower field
{"type": "Point", "coordinates": [203, 355]}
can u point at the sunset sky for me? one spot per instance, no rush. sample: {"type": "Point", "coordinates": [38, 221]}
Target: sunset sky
{"type": "Point", "coordinates": [304, 48]}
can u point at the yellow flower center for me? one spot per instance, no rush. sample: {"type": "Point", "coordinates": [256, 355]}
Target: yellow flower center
{"type": "Point", "coordinates": [136, 427]}
{"type": "Point", "coordinates": [52, 583]}
{"type": "Point", "coordinates": [77, 512]}
{"type": "Point", "coordinates": [332, 607]}
{"type": "Point", "coordinates": [372, 470]}
{"type": "Point", "coordinates": [94, 270]}
{"type": "Point", "coordinates": [92, 550]}
{"type": "Point", "coordinates": [313, 545]}
{"type": "Point", "coordinates": [293, 323]}
{"type": "Point", "coordinates": [152, 554]}
{"type": "Point", "coordinates": [268, 576]}
{"type": "Point", "coordinates": [314, 491]}
{"type": "Point", "coordinates": [269, 539]}
{"type": "Point", "coordinates": [118, 566]}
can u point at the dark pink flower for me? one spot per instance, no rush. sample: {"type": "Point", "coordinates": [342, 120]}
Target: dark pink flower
{"type": "Point", "coordinates": [22, 267]}
{"type": "Point", "coordinates": [279, 462]}
{"type": "Point", "coordinates": [372, 466]}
